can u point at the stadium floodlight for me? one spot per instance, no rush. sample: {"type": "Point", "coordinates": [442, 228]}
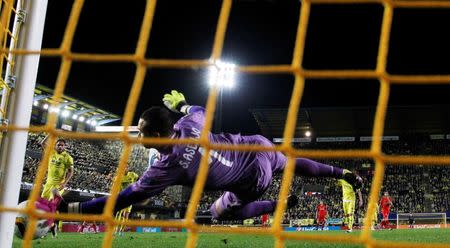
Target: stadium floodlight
{"type": "Point", "coordinates": [116, 129]}
{"type": "Point", "coordinates": [81, 119]}
{"type": "Point", "coordinates": [93, 123]}
{"type": "Point", "coordinates": [35, 103]}
{"type": "Point", "coordinates": [88, 122]}
{"type": "Point", "coordinates": [308, 134]}
{"type": "Point", "coordinates": [55, 110]}
{"type": "Point", "coordinates": [65, 113]}
{"type": "Point", "coordinates": [74, 117]}
{"type": "Point", "coordinates": [222, 74]}
{"type": "Point", "coordinates": [45, 106]}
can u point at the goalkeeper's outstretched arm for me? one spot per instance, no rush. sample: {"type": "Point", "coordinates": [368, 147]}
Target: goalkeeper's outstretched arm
{"type": "Point", "coordinates": [160, 176]}
{"type": "Point", "coordinates": [176, 102]}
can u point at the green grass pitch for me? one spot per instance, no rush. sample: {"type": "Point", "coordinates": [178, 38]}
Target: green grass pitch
{"type": "Point", "coordinates": [210, 240]}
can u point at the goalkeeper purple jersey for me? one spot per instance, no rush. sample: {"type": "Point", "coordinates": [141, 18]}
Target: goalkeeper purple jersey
{"type": "Point", "coordinates": [239, 172]}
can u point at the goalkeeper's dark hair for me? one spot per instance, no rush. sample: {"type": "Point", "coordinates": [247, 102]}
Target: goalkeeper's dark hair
{"type": "Point", "coordinates": [158, 119]}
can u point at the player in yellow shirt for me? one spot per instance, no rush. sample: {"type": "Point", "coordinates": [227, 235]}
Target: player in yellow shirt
{"type": "Point", "coordinates": [375, 216]}
{"type": "Point", "coordinates": [128, 179]}
{"type": "Point", "coordinates": [349, 199]}
{"type": "Point", "coordinates": [59, 172]}
{"type": "Point", "coordinates": [373, 225]}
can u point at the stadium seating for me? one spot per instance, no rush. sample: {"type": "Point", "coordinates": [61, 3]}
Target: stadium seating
{"type": "Point", "coordinates": [413, 188]}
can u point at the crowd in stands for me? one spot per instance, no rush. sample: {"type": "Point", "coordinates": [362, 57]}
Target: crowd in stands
{"type": "Point", "coordinates": [95, 161]}
{"type": "Point", "coordinates": [413, 188]}
{"type": "Point", "coordinates": [439, 183]}
{"type": "Point", "coordinates": [30, 169]}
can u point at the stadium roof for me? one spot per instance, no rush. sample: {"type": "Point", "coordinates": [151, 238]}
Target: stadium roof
{"type": "Point", "coordinates": [44, 95]}
{"type": "Point", "coordinates": [356, 121]}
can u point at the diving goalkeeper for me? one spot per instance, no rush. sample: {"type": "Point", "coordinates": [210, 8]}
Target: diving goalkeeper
{"type": "Point", "coordinates": [244, 176]}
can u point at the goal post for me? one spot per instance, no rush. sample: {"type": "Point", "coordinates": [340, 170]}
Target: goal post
{"type": "Point", "coordinates": [421, 220]}
{"type": "Point", "coordinates": [19, 112]}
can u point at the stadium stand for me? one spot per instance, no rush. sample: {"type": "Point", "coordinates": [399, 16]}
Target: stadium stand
{"type": "Point", "coordinates": [95, 162]}
{"type": "Point", "coordinates": [413, 188]}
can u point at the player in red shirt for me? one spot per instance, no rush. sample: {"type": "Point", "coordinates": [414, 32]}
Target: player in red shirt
{"type": "Point", "coordinates": [386, 204]}
{"type": "Point", "coordinates": [265, 220]}
{"type": "Point", "coordinates": [321, 214]}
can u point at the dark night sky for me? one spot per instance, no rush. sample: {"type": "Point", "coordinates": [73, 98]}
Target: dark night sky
{"type": "Point", "coordinates": [259, 32]}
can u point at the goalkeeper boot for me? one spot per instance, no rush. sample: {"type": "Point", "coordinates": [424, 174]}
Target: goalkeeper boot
{"type": "Point", "coordinates": [353, 179]}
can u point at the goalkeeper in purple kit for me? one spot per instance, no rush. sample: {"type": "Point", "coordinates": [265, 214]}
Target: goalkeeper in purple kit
{"type": "Point", "coordinates": [244, 176]}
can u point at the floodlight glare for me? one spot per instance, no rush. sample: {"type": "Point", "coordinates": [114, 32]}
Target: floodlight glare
{"type": "Point", "coordinates": [35, 103]}
{"type": "Point", "coordinates": [88, 121]}
{"type": "Point", "coordinates": [74, 117]}
{"type": "Point", "coordinates": [93, 123]}
{"type": "Point", "coordinates": [65, 113]}
{"type": "Point", "coordinates": [222, 74]}
{"type": "Point", "coordinates": [55, 109]}
{"type": "Point", "coordinates": [307, 133]}
{"type": "Point", "coordinates": [45, 106]}
{"type": "Point", "coordinates": [81, 119]}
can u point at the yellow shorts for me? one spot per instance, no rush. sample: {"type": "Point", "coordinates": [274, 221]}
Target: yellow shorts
{"type": "Point", "coordinates": [47, 191]}
{"type": "Point", "coordinates": [349, 207]}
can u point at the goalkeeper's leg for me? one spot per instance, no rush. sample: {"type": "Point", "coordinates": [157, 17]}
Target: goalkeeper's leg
{"type": "Point", "coordinates": [310, 168]}
{"type": "Point", "coordinates": [230, 207]}
{"type": "Point", "coordinates": [303, 167]}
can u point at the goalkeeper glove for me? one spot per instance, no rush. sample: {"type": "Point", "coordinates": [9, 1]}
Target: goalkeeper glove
{"type": "Point", "coordinates": [174, 101]}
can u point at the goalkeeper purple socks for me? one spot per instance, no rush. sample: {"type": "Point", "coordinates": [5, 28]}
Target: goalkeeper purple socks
{"type": "Point", "coordinates": [307, 167]}
{"type": "Point", "coordinates": [256, 208]}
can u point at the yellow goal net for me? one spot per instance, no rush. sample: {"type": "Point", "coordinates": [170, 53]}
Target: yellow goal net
{"type": "Point", "coordinates": [142, 63]}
